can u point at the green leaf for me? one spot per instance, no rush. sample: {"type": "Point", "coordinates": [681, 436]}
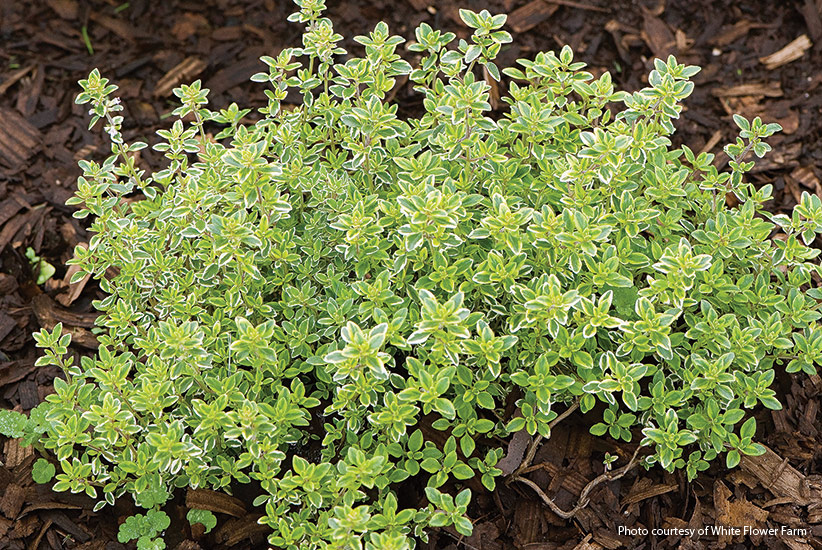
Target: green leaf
{"type": "Point", "coordinates": [463, 526]}
{"type": "Point", "coordinates": [434, 497]}
{"type": "Point", "coordinates": [462, 499]}
{"type": "Point", "coordinates": [467, 445]}
{"type": "Point", "coordinates": [470, 18]}
{"type": "Point", "coordinates": [133, 528]}
{"type": "Point", "coordinates": [42, 471]}
{"type": "Point", "coordinates": [155, 494]}
{"type": "Point", "coordinates": [516, 424]}
{"type": "Point", "coordinates": [742, 122]}
{"type": "Point", "coordinates": [748, 429]}
{"type": "Point", "coordinates": [150, 543]}
{"type": "Point", "coordinates": [472, 53]}
{"type": "Point", "coordinates": [445, 408]}
{"type": "Point", "coordinates": [157, 520]}
{"type": "Point", "coordinates": [771, 403]}
{"type": "Point", "coordinates": [462, 471]}
{"type": "Point", "coordinates": [599, 429]}
{"type": "Point", "coordinates": [12, 424]}
{"type": "Point", "coordinates": [204, 517]}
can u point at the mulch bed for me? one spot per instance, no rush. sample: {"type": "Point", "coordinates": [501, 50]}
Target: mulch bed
{"type": "Point", "coordinates": [759, 58]}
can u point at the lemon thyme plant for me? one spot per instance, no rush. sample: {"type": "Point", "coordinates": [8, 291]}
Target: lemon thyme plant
{"type": "Point", "coordinates": [294, 301]}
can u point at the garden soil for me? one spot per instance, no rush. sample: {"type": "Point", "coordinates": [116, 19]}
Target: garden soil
{"type": "Point", "coordinates": [759, 58]}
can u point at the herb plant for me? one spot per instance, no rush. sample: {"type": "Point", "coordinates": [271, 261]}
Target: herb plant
{"type": "Point", "coordinates": [294, 300]}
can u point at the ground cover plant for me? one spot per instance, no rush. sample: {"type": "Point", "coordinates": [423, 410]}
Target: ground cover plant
{"type": "Point", "coordinates": [290, 303]}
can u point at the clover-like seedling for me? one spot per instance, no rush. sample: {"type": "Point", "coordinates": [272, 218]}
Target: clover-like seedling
{"type": "Point", "coordinates": [29, 429]}
{"type": "Point", "coordinates": [12, 424]}
{"type": "Point", "coordinates": [42, 471]}
{"type": "Point", "coordinates": [145, 528]}
{"type": "Point", "coordinates": [204, 517]}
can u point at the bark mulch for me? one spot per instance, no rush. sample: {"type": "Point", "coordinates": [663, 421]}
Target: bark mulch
{"type": "Point", "coordinates": [759, 58]}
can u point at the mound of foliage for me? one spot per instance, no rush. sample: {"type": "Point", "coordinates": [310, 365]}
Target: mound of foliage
{"type": "Point", "coordinates": [296, 301]}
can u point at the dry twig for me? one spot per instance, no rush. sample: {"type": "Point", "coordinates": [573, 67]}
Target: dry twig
{"type": "Point", "coordinates": [532, 450]}
{"type": "Point", "coordinates": [584, 495]}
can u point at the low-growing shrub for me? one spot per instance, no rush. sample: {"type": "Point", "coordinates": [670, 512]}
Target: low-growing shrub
{"type": "Point", "coordinates": [299, 300]}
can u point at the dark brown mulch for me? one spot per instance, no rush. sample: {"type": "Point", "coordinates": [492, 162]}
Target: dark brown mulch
{"type": "Point", "coordinates": [148, 47]}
